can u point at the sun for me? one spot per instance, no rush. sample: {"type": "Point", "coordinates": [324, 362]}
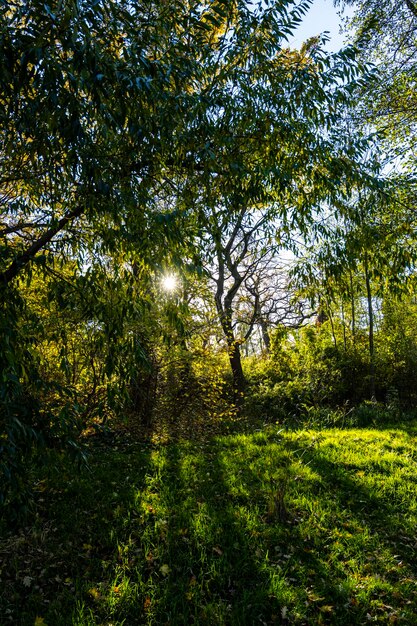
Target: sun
{"type": "Point", "coordinates": [169, 282]}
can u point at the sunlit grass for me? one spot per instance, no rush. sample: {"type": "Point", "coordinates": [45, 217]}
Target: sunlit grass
{"type": "Point", "coordinates": [309, 527]}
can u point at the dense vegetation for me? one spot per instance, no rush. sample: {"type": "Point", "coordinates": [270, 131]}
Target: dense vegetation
{"type": "Point", "coordinates": [202, 231]}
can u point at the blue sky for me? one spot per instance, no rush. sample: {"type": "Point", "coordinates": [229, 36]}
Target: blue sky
{"type": "Point", "coordinates": [321, 16]}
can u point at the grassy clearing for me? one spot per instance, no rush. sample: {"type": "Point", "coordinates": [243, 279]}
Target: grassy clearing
{"type": "Point", "coordinates": [274, 527]}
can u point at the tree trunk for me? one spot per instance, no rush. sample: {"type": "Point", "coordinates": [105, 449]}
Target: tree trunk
{"type": "Point", "coordinates": [332, 327]}
{"type": "Point", "coordinates": [239, 380]}
{"type": "Point", "coordinates": [265, 335]}
{"type": "Point", "coordinates": [344, 328]}
{"type": "Point", "coordinates": [371, 330]}
{"type": "Point", "coordinates": [352, 307]}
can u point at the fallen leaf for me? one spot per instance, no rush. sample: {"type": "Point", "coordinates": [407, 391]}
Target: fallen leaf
{"type": "Point", "coordinates": [165, 569]}
{"type": "Point", "coordinates": [94, 592]}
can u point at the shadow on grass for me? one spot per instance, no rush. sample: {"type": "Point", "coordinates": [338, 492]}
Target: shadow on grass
{"type": "Point", "coordinates": [196, 533]}
{"type": "Point", "coordinates": [69, 555]}
{"type": "Point", "coordinates": [211, 576]}
{"type": "Point", "coordinates": [364, 537]}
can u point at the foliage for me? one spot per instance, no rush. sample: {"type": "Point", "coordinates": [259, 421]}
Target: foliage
{"type": "Point", "coordinates": [399, 348]}
{"type": "Point", "coordinates": [300, 157]}
{"type": "Point", "coordinates": [126, 130]}
{"type": "Point", "coordinates": [385, 33]}
{"type": "Point", "coordinates": [326, 366]}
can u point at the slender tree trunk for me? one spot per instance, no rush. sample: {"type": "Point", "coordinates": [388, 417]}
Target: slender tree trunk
{"type": "Point", "coordinates": [225, 312]}
{"type": "Point", "coordinates": [371, 330]}
{"type": "Point", "coordinates": [265, 335]}
{"type": "Point", "coordinates": [332, 326]}
{"type": "Point", "coordinates": [233, 348]}
{"type": "Point", "coordinates": [344, 327]}
{"type": "Point", "coordinates": [352, 307]}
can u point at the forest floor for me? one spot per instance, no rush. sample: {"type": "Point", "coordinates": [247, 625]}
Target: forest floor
{"type": "Point", "coordinates": [269, 527]}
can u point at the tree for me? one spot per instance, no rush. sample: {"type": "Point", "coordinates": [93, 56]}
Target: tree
{"type": "Point", "coordinates": [125, 127]}
{"type": "Point", "coordinates": [286, 157]}
{"type": "Point", "coordinates": [90, 96]}
{"type": "Point", "coordinates": [273, 298]}
{"type": "Point", "coordinates": [385, 33]}
{"type": "Point", "coordinates": [237, 255]}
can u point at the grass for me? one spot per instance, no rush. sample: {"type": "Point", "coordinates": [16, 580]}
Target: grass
{"type": "Point", "coordinates": [273, 527]}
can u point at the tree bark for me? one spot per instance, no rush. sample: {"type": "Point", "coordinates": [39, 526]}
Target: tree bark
{"type": "Point", "coordinates": [239, 380]}
{"type": "Point", "coordinates": [265, 335]}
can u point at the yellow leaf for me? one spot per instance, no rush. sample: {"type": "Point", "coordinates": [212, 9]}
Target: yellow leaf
{"type": "Point", "coordinates": [314, 597]}
{"type": "Point", "coordinates": [165, 569]}
{"type": "Point", "coordinates": [94, 592]}
{"type": "Point", "coordinates": [39, 621]}
{"type": "Point", "coordinates": [87, 546]}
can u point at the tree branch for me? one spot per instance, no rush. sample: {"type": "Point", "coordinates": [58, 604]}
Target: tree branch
{"type": "Point", "coordinates": [21, 261]}
{"type": "Point", "coordinates": [15, 228]}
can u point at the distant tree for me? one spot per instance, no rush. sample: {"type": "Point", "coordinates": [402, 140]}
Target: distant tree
{"type": "Point", "coordinates": [270, 292]}
{"type": "Point", "coordinates": [367, 253]}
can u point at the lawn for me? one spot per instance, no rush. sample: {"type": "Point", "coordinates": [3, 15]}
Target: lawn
{"type": "Point", "coordinates": [272, 527]}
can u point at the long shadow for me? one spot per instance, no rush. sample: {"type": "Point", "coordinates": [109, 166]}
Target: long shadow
{"type": "Point", "coordinates": [218, 550]}
{"type": "Point", "coordinates": [289, 566]}
{"type": "Point", "coordinates": [250, 588]}
{"type": "Point", "coordinates": [350, 494]}
{"type": "Point", "coordinates": [191, 539]}
{"type": "Point", "coordinates": [214, 577]}
{"type": "Point", "coordinates": [387, 527]}
{"type": "Point", "coordinates": [209, 554]}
